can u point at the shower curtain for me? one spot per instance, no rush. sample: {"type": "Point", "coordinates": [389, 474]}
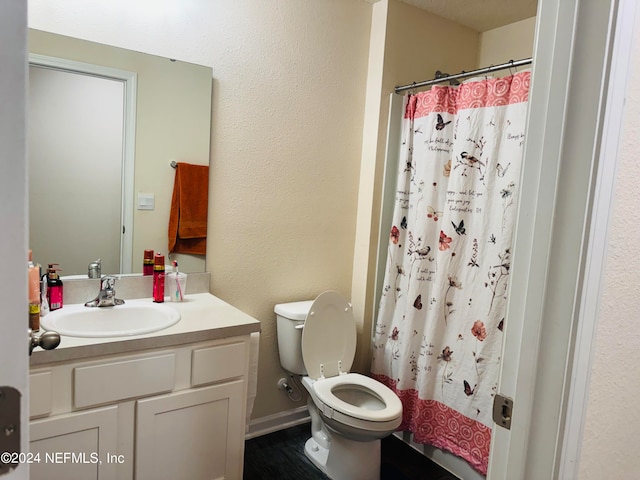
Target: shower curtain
{"type": "Point", "coordinates": [439, 331]}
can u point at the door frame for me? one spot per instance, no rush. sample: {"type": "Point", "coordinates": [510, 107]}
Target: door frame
{"type": "Point", "coordinates": [601, 212]}
{"type": "Point", "coordinates": [580, 69]}
{"type": "Point", "coordinates": [556, 265]}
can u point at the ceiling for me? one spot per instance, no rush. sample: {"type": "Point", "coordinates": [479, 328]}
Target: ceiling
{"type": "Point", "coordinates": [480, 15]}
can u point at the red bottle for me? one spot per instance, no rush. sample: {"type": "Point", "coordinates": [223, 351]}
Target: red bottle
{"type": "Point", "coordinates": [147, 263]}
{"type": "Point", "coordinates": [158, 278]}
{"type": "Point", "coordinates": [54, 287]}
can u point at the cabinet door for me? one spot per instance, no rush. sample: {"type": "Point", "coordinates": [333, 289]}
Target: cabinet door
{"type": "Point", "coordinates": [75, 445]}
{"type": "Point", "coordinates": [195, 434]}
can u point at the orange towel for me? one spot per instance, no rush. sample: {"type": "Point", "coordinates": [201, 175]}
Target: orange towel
{"type": "Point", "coordinates": [188, 215]}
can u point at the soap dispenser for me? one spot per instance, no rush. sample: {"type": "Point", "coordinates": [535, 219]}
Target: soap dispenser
{"type": "Point", "coordinates": [54, 287]}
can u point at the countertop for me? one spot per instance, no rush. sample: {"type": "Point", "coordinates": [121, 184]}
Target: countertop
{"type": "Point", "coordinates": [203, 317]}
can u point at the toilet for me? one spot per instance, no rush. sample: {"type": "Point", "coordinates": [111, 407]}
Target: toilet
{"type": "Point", "coordinates": [349, 412]}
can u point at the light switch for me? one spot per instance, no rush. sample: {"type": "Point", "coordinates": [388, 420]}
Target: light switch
{"type": "Point", "coordinates": [146, 201]}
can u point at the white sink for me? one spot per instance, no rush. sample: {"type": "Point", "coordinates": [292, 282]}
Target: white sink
{"type": "Point", "coordinates": [132, 318]}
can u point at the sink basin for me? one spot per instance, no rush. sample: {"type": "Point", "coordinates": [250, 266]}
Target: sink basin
{"type": "Point", "coordinates": [132, 318]}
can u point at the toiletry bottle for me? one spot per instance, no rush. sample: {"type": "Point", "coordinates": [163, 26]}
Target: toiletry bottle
{"type": "Point", "coordinates": [158, 278]}
{"type": "Point", "coordinates": [147, 263]}
{"type": "Point", "coordinates": [34, 295]}
{"type": "Point", "coordinates": [54, 287]}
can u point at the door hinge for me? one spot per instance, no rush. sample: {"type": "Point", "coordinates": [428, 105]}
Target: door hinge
{"type": "Point", "coordinates": [9, 428]}
{"type": "Point", "coordinates": [502, 410]}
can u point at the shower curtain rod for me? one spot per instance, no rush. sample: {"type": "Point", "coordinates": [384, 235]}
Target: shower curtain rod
{"type": "Point", "coordinates": [480, 71]}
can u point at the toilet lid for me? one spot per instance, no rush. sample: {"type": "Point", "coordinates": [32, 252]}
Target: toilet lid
{"type": "Point", "coordinates": [329, 336]}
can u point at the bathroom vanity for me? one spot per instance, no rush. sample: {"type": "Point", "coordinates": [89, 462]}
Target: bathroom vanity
{"type": "Point", "coordinates": [165, 405]}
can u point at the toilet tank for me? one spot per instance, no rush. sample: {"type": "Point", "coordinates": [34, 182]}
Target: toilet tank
{"type": "Point", "coordinates": [290, 318]}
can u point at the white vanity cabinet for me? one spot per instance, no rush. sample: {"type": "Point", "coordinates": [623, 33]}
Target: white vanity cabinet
{"type": "Point", "coordinates": [169, 413]}
{"type": "Point", "coordinates": [88, 435]}
{"type": "Point", "coordinates": [190, 434]}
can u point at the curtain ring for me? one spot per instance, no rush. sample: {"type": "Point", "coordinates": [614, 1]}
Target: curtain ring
{"type": "Point", "coordinates": [486, 75]}
{"type": "Point", "coordinates": [512, 69]}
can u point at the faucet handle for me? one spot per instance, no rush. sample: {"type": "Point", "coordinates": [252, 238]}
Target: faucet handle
{"type": "Point", "coordinates": [108, 282]}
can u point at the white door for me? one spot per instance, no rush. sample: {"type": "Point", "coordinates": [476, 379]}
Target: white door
{"type": "Point", "coordinates": [13, 218]}
{"type": "Point", "coordinates": [75, 149]}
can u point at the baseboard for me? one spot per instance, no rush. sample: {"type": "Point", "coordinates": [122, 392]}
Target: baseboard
{"type": "Point", "coordinates": [277, 421]}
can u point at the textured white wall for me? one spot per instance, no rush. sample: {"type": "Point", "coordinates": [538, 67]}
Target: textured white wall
{"type": "Point", "coordinates": [288, 104]}
{"type": "Point", "coordinates": [511, 42]}
{"type": "Point", "coordinates": [408, 45]}
{"type": "Point", "coordinates": [613, 419]}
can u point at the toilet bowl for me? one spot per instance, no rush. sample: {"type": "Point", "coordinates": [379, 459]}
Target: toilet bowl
{"type": "Point", "coordinates": [349, 412]}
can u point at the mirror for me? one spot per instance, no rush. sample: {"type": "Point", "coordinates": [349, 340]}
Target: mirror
{"type": "Point", "coordinates": [171, 122]}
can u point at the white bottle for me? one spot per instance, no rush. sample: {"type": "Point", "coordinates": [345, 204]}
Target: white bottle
{"type": "Point", "coordinates": [44, 306]}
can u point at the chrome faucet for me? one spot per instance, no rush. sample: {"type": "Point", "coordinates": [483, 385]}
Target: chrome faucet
{"type": "Point", "coordinates": [107, 295]}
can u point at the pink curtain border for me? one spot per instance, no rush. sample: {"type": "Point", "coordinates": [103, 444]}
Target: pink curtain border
{"type": "Point", "coordinates": [436, 424]}
{"type": "Point", "coordinates": [493, 92]}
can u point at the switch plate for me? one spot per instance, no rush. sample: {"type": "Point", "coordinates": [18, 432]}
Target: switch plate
{"type": "Point", "coordinates": [146, 201]}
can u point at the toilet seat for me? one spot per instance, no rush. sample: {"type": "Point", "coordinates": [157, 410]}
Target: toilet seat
{"type": "Point", "coordinates": [329, 336]}
{"type": "Point", "coordinates": [390, 405]}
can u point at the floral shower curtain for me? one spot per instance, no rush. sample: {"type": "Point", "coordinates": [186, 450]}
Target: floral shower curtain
{"type": "Point", "coordinates": [439, 332]}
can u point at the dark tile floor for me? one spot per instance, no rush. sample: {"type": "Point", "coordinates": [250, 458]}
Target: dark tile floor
{"type": "Point", "coordinates": [280, 456]}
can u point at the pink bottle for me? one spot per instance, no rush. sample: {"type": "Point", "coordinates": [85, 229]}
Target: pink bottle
{"type": "Point", "coordinates": [54, 287]}
{"type": "Point", "coordinates": [158, 278]}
